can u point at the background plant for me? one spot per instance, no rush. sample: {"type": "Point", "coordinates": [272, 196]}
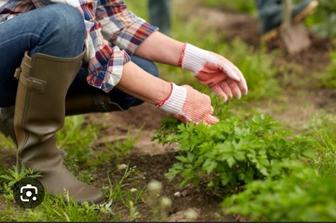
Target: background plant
{"type": "Point", "coordinates": [328, 77]}
{"type": "Point", "coordinates": [302, 196]}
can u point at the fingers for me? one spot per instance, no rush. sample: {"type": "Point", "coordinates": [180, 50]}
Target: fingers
{"type": "Point", "coordinates": [197, 108]}
{"type": "Point", "coordinates": [220, 92]}
{"type": "Point", "coordinates": [231, 70]}
{"type": "Point", "coordinates": [233, 73]}
{"type": "Point", "coordinates": [226, 88]}
{"type": "Point", "coordinates": [211, 120]}
{"type": "Point", "coordinates": [235, 89]}
{"type": "Point", "coordinates": [208, 120]}
{"type": "Point", "coordinates": [223, 64]}
{"type": "Point", "coordinates": [242, 83]}
{"type": "Point", "coordinates": [243, 86]}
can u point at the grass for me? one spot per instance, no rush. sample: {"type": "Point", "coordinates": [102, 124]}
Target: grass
{"type": "Point", "coordinates": [77, 147]}
{"type": "Point", "coordinates": [76, 139]}
{"type": "Point", "coordinates": [323, 129]}
{"type": "Point", "coordinates": [64, 209]}
{"type": "Point", "coordinates": [52, 208]}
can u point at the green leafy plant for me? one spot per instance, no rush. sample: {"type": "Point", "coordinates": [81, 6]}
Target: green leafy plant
{"type": "Point", "coordinates": [301, 196]}
{"type": "Point", "coordinates": [234, 152]}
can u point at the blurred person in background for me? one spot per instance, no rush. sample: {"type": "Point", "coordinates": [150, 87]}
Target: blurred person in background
{"type": "Point", "coordinates": [271, 15]}
{"type": "Point", "coordinates": [159, 14]}
{"type": "Point", "coordinates": [68, 57]}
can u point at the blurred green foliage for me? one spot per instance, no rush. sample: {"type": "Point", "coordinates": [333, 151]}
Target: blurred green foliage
{"type": "Point", "coordinates": [324, 19]}
{"type": "Point", "coordinates": [247, 6]}
{"type": "Point", "coordinates": [328, 77]}
{"type": "Point", "coordinates": [303, 196]}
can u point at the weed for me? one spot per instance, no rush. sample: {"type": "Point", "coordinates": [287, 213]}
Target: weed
{"type": "Point", "coordinates": [118, 193]}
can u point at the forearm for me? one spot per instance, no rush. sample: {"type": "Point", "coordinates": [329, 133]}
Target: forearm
{"type": "Point", "coordinates": [160, 48]}
{"type": "Point", "coordinates": [142, 85]}
{"type": "Point", "coordinates": [184, 102]}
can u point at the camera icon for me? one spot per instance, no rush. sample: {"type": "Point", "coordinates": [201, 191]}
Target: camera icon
{"type": "Point", "coordinates": [28, 192]}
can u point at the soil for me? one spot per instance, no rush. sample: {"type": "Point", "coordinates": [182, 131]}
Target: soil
{"type": "Point", "coordinates": [153, 167]}
{"type": "Point", "coordinates": [152, 161]}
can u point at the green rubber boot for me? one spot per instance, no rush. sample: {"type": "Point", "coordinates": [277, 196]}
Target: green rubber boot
{"type": "Point", "coordinates": [39, 113]}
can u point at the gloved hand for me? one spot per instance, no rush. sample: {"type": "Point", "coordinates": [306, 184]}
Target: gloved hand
{"type": "Point", "coordinates": [189, 105]}
{"type": "Point", "coordinates": [213, 70]}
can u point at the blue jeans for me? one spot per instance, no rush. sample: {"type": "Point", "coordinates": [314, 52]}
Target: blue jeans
{"type": "Point", "coordinates": [56, 30]}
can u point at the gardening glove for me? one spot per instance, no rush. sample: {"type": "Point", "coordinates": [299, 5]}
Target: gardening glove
{"type": "Point", "coordinates": [189, 105]}
{"type": "Point", "coordinates": [211, 69]}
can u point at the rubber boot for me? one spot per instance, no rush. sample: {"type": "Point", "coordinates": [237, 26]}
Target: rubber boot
{"type": "Point", "coordinates": [39, 113]}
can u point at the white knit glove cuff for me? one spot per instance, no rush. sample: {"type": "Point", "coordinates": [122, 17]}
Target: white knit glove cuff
{"type": "Point", "coordinates": [195, 58]}
{"type": "Point", "coordinates": [175, 102]}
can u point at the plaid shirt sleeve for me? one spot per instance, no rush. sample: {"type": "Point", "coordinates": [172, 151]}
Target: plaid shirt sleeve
{"type": "Point", "coordinates": [120, 26]}
{"type": "Point", "coordinates": [106, 62]}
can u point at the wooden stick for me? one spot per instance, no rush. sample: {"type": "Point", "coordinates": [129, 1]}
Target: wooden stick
{"type": "Point", "coordinates": [287, 13]}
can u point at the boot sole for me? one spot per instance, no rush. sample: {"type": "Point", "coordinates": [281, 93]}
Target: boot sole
{"type": "Point", "coordinates": [297, 19]}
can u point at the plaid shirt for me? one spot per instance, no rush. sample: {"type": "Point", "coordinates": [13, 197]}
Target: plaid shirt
{"type": "Point", "coordinates": [113, 33]}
